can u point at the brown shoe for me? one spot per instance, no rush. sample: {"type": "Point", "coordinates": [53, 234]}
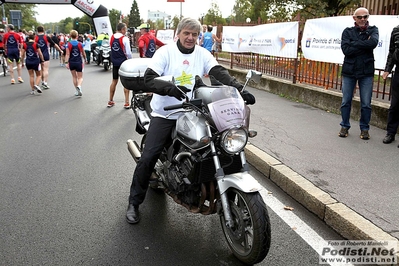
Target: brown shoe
{"type": "Point", "coordinates": [364, 134]}
{"type": "Point", "coordinates": [343, 133]}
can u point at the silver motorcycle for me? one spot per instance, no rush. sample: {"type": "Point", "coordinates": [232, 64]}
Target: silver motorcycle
{"type": "Point", "coordinates": [204, 168]}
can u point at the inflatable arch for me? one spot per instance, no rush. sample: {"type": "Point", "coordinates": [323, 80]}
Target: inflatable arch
{"type": "Point", "coordinates": [98, 13]}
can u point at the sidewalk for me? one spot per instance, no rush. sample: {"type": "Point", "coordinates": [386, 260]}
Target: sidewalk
{"type": "Point", "coordinates": [354, 184]}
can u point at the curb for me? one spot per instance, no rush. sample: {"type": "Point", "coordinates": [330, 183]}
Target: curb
{"type": "Point", "coordinates": [345, 221]}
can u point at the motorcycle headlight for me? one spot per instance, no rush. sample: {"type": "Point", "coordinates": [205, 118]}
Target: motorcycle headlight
{"type": "Point", "coordinates": [234, 140]}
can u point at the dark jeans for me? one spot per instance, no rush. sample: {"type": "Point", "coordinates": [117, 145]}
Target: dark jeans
{"type": "Point", "coordinates": [393, 111]}
{"type": "Point", "coordinates": [158, 135]}
{"type": "Point", "coordinates": [365, 91]}
{"type": "Point", "coordinates": [87, 56]}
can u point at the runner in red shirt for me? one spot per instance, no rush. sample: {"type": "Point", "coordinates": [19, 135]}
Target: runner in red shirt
{"type": "Point", "coordinates": [12, 46]}
{"type": "Point", "coordinates": [148, 43]}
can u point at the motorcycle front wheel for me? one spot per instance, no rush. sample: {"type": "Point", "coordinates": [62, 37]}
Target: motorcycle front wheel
{"type": "Point", "coordinates": [106, 66]}
{"type": "Point", "coordinates": [249, 238]}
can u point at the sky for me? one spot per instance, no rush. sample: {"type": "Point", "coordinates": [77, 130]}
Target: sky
{"type": "Point", "coordinates": [190, 8]}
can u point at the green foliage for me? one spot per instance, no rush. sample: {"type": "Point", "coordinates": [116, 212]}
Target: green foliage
{"type": "Point", "coordinates": [63, 26]}
{"type": "Point", "coordinates": [286, 10]}
{"type": "Point", "coordinates": [214, 16]}
{"type": "Point", "coordinates": [242, 10]}
{"type": "Point", "coordinates": [134, 16]}
{"type": "Point", "coordinates": [27, 12]}
{"type": "Point", "coordinates": [326, 8]}
{"type": "Point", "coordinates": [84, 24]}
{"type": "Point", "coordinates": [175, 22]}
{"type": "Point", "coordinates": [114, 16]}
{"type": "Point", "coordinates": [159, 24]}
{"type": "Point", "coordinates": [68, 27]}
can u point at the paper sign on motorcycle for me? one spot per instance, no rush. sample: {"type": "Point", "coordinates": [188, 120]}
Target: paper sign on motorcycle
{"type": "Point", "coordinates": [227, 113]}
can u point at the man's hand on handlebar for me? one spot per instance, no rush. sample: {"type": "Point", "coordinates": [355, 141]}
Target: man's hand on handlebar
{"type": "Point", "coordinates": [248, 97]}
{"type": "Point", "coordinates": [179, 92]}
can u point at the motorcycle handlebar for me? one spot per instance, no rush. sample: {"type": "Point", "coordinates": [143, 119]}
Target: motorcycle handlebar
{"type": "Point", "coordinates": [172, 107]}
{"type": "Point", "coordinates": [191, 103]}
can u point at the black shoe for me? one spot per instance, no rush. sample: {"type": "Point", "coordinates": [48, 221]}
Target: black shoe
{"type": "Point", "coordinates": [388, 138]}
{"type": "Point", "coordinates": [132, 214]}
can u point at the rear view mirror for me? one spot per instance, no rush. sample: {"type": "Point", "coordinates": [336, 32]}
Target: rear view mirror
{"type": "Point", "coordinates": [254, 75]}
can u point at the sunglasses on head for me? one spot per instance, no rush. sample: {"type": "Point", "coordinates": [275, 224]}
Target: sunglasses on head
{"type": "Point", "coordinates": [360, 17]}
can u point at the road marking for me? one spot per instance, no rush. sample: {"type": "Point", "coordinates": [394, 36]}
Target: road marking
{"type": "Point", "coordinates": [2, 73]}
{"type": "Point", "coordinates": [311, 237]}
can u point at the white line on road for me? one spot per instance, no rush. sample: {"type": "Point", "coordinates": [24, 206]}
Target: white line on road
{"type": "Point", "coordinates": [311, 237]}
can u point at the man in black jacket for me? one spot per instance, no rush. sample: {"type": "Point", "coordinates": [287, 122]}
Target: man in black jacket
{"type": "Point", "coordinates": [357, 44]}
{"type": "Point", "coordinates": [54, 51]}
{"type": "Point", "coordinates": [393, 112]}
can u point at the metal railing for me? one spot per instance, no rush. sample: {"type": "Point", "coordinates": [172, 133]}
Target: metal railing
{"type": "Point", "coordinates": [302, 70]}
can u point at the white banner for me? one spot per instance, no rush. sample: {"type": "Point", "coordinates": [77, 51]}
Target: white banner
{"type": "Point", "coordinates": [88, 7]}
{"type": "Point", "coordinates": [278, 39]}
{"type": "Point", "coordinates": [321, 40]}
{"type": "Point", "coordinates": [103, 24]}
{"type": "Point", "coordinates": [165, 36]}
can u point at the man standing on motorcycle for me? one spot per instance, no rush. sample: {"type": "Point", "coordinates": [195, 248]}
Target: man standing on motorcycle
{"type": "Point", "coordinates": [184, 60]}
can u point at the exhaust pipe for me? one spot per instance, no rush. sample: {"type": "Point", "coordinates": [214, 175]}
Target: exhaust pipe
{"type": "Point", "coordinates": [134, 150]}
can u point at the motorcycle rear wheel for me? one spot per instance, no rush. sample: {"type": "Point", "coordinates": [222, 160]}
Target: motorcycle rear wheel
{"type": "Point", "coordinates": [250, 238]}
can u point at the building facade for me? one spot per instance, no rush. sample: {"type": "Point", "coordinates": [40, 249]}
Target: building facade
{"type": "Point", "coordinates": [381, 7]}
{"type": "Point", "coordinates": [158, 15]}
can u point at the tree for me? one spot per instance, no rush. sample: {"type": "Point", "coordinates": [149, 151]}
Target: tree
{"type": "Point", "coordinates": [134, 16]}
{"type": "Point", "coordinates": [175, 22]}
{"type": "Point", "coordinates": [326, 8]}
{"type": "Point", "coordinates": [214, 16]}
{"type": "Point", "coordinates": [83, 24]}
{"type": "Point", "coordinates": [242, 10]}
{"type": "Point", "coordinates": [285, 10]}
{"type": "Point", "coordinates": [114, 16]}
{"type": "Point", "coordinates": [159, 24]}
{"type": "Point", "coordinates": [65, 25]}
{"type": "Point", "coordinates": [68, 27]}
{"type": "Point", "coordinates": [27, 12]}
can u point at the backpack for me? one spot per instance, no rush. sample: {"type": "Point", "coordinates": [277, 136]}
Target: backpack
{"type": "Point", "coordinates": [152, 47]}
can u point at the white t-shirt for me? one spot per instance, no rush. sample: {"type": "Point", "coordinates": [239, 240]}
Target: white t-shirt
{"type": "Point", "coordinates": [168, 60]}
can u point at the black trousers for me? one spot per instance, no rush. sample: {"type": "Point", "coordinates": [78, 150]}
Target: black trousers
{"type": "Point", "coordinates": [393, 111]}
{"type": "Point", "coordinates": [158, 135]}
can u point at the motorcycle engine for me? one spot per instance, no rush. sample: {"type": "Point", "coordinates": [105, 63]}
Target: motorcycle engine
{"type": "Point", "coordinates": [180, 181]}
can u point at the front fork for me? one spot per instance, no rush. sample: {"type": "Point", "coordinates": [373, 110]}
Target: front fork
{"type": "Point", "coordinates": [219, 178]}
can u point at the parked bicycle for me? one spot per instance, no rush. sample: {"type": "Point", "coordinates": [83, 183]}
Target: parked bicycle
{"type": "Point", "coordinates": [3, 62]}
